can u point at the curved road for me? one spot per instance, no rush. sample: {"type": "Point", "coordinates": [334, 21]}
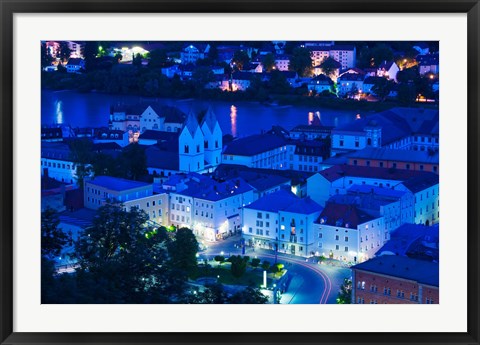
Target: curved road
{"type": "Point", "coordinates": [309, 283]}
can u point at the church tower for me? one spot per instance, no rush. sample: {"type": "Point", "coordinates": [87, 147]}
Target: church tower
{"type": "Point", "coordinates": [191, 146]}
{"type": "Point", "coordinates": [212, 138]}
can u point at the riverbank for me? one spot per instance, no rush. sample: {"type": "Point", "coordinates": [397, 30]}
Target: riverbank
{"type": "Point", "coordinates": [143, 83]}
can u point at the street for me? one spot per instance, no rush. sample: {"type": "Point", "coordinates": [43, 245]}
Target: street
{"type": "Point", "coordinates": [309, 283]}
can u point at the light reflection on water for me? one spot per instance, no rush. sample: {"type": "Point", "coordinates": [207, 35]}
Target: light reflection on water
{"type": "Point", "coordinates": [59, 111]}
{"type": "Point", "coordinates": [233, 120]}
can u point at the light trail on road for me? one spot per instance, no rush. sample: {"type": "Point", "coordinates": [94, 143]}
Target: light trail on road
{"type": "Point", "coordinates": [327, 282]}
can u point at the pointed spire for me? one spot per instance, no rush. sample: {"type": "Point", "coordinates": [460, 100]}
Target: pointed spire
{"type": "Point", "coordinates": [191, 123]}
{"type": "Point", "coordinates": [210, 119]}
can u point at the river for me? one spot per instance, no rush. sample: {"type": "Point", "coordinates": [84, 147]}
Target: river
{"type": "Point", "coordinates": [239, 119]}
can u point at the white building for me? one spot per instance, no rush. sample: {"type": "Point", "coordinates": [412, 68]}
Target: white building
{"type": "Point", "coordinates": [282, 62]}
{"type": "Point", "coordinates": [267, 151]}
{"type": "Point", "coordinates": [345, 54]}
{"type": "Point", "coordinates": [344, 232]}
{"type": "Point", "coordinates": [388, 70]}
{"type": "Point", "coordinates": [100, 189]}
{"type": "Point", "coordinates": [211, 209]}
{"type": "Point", "coordinates": [396, 128]}
{"type": "Point", "coordinates": [339, 178]}
{"type": "Point", "coordinates": [395, 206]}
{"type": "Point", "coordinates": [427, 201]}
{"type": "Point", "coordinates": [282, 221]}
{"type": "Point", "coordinates": [193, 52]}
{"type": "Point", "coordinates": [56, 162]}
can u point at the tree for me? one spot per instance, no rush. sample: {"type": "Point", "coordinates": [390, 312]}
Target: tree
{"type": "Point", "coordinates": [213, 294]}
{"type": "Point", "coordinates": [268, 62]}
{"type": "Point", "coordinates": [127, 259]}
{"type": "Point", "coordinates": [201, 76]}
{"type": "Point", "coordinates": [255, 262]}
{"type": "Point", "coordinates": [345, 293]}
{"type": "Point", "coordinates": [382, 87]}
{"type": "Point", "coordinates": [329, 66]}
{"type": "Point", "coordinates": [64, 51]}
{"type": "Point", "coordinates": [158, 58]}
{"type": "Point", "coordinates": [53, 238]}
{"type": "Point", "coordinates": [265, 265]}
{"type": "Point", "coordinates": [381, 53]}
{"type": "Point", "coordinates": [183, 250]}
{"type": "Point", "coordinates": [132, 162]}
{"type": "Point", "coordinates": [219, 258]}
{"type": "Point", "coordinates": [45, 55]}
{"type": "Point", "coordinates": [90, 54]}
{"type": "Point", "coordinates": [278, 83]}
{"type": "Point", "coordinates": [82, 156]}
{"type": "Point", "coordinates": [301, 62]}
{"type": "Point", "coordinates": [240, 59]}
{"type": "Point", "coordinates": [249, 295]}
{"type": "Point", "coordinates": [137, 60]}
{"type": "Point", "coordinates": [118, 57]}
{"type": "Point", "coordinates": [239, 265]}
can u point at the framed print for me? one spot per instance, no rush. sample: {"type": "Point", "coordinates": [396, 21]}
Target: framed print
{"type": "Point", "coordinates": [213, 172]}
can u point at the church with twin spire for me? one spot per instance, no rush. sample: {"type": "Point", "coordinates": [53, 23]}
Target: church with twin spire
{"type": "Point", "coordinates": [196, 146]}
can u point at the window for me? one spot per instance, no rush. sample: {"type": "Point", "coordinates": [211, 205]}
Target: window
{"type": "Point", "coordinates": [198, 148]}
{"type": "Point", "coordinates": [336, 237]}
{"type": "Point", "coordinates": [186, 149]}
{"type": "Point", "coordinates": [337, 247]}
{"type": "Point", "coordinates": [346, 238]}
{"type": "Point", "coordinates": [250, 230]}
{"type": "Point", "coordinates": [341, 142]}
{"type": "Point", "coordinates": [320, 235]}
{"type": "Point", "coordinates": [381, 164]}
{"type": "Point", "coordinates": [346, 249]}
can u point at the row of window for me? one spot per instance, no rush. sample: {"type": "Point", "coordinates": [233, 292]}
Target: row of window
{"type": "Point", "coordinates": [57, 165]}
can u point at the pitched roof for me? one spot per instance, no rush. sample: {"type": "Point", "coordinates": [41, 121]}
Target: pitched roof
{"type": "Point", "coordinates": [396, 123]}
{"type": "Point", "coordinates": [191, 123]}
{"type": "Point", "coordinates": [254, 144]}
{"type": "Point", "coordinates": [116, 183]}
{"type": "Point", "coordinates": [418, 183]}
{"type": "Point", "coordinates": [413, 240]}
{"type": "Point", "coordinates": [55, 150]}
{"type": "Point", "coordinates": [345, 216]}
{"type": "Point", "coordinates": [211, 190]}
{"type": "Point", "coordinates": [160, 158]}
{"type": "Point", "coordinates": [351, 77]}
{"type": "Point", "coordinates": [338, 171]}
{"type": "Point", "coordinates": [210, 119]}
{"type": "Point", "coordinates": [303, 206]}
{"type": "Point", "coordinates": [274, 202]}
{"type": "Point", "coordinates": [74, 61]}
{"type": "Point", "coordinates": [421, 271]}
{"type": "Point", "coordinates": [379, 153]}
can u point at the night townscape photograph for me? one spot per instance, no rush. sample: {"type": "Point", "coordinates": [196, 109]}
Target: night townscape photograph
{"type": "Point", "coordinates": [240, 172]}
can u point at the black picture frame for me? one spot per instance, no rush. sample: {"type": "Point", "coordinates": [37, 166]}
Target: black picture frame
{"type": "Point", "coordinates": [10, 7]}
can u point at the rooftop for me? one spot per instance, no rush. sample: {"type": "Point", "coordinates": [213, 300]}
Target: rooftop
{"type": "Point", "coordinates": [338, 171]}
{"type": "Point", "coordinates": [345, 216]}
{"type": "Point", "coordinates": [161, 157]}
{"type": "Point", "coordinates": [209, 189]}
{"type": "Point", "coordinates": [413, 240]}
{"type": "Point", "coordinates": [254, 144]}
{"type": "Point", "coordinates": [117, 184]}
{"type": "Point", "coordinates": [396, 155]}
{"type": "Point", "coordinates": [421, 271]}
